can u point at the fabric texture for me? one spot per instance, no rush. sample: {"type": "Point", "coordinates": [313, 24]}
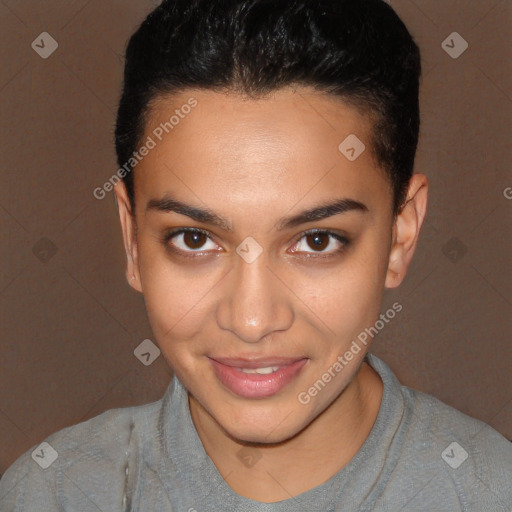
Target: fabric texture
{"type": "Point", "coordinates": [421, 455]}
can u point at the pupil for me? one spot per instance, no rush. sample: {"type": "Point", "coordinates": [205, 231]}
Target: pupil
{"type": "Point", "coordinates": [194, 240]}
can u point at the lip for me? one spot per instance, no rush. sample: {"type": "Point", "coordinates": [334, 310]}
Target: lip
{"type": "Point", "coordinates": [254, 385]}
{"type": "Point", "coordinates": [256, 362]}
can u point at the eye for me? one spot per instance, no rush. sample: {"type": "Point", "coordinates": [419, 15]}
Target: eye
{"type": "Point", "coordinates": [189, 240]}
{"type": "Point", "coordinates": [321, 242]}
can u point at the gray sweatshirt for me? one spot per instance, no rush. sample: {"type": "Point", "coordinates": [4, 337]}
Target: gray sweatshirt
{"type": "Point", "coordinates": [421, 455]}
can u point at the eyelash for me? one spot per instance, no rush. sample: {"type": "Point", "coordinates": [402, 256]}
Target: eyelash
{"type": "Point", "coordinates": [194, 254]}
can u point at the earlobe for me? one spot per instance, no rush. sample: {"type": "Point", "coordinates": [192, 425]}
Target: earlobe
{"type": "Point", "coordinates": [128, 227]}
{"type": "Point", "coordinates": [406, 230]}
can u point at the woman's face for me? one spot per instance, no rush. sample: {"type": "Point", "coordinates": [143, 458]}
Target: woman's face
{"type": "Point", "coordinates": [245, 287]}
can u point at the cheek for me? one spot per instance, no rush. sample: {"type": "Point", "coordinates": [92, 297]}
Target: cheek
{"type": "Point", "coordinates": [346, 298]}
{"type": "Point", "coordinates": [175, 295]}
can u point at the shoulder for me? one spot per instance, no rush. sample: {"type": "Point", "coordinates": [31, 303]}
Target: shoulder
{"type": "Point", "coordinates": [99, 448]}
{"type": "Point", "coordinates": [440, 457]}
{"type": "Point", "coordinates": [472, 456]}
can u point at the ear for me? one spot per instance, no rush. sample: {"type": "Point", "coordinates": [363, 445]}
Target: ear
{"type": "Point", "coordinates": [406, 230]}
{"type": "Point", "coordinates": [129, 229]}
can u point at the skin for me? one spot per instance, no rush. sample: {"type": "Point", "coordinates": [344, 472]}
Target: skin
{"type": "Point", "coordinates": [254, 162]}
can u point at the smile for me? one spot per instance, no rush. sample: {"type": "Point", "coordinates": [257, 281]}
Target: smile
{"type": "Point", "coordinates": [257, 379]}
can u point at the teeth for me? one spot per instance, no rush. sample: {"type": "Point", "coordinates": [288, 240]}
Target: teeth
{"type": "Point", "coordinates": [261, 371]}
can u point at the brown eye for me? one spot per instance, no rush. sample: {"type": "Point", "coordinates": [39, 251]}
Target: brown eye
{"type": "Point", "coordinates": [194, 239]}
{"type": "Point", "coordinates": [189, 240]}
{"type": "Point", "coordinates": [318, 241]}
{"type": "Point", "coordinates": [321, 243]}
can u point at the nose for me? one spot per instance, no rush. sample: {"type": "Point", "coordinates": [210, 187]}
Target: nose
{"type": "Point", "coordinates": [255, 302]}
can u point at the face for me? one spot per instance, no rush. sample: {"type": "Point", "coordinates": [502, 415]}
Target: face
{"type": "Point", "coordinates": [250, 299]}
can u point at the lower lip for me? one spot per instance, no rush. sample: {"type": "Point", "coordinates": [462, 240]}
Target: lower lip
{"type": "Point", "coordinates": [255, 385]}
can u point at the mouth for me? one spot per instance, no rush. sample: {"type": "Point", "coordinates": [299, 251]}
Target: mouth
{"type": "Point", "coordinates": [257, 378]}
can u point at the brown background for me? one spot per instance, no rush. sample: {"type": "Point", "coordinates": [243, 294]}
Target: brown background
{"type": "Point", "coordinates": [69, 322]}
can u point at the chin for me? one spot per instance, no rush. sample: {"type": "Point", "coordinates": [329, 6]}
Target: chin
{"type": "Point", "coordinates": [273, 431]}
{"type": "Point", "coordinates": [257, 437]}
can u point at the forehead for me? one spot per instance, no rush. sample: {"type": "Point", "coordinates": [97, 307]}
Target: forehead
{"type": "Point", "coordinates": [287, 144]}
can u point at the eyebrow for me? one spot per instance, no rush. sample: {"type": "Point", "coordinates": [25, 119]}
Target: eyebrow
{"type": "Point", "coordinates": [169, 204]}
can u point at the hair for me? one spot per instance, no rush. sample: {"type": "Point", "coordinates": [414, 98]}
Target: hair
{"type": "Point", "coordinates": [357, 50]}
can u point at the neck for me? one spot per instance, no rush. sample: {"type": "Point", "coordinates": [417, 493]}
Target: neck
{"type": "Point", "coordinates": [275, 472]}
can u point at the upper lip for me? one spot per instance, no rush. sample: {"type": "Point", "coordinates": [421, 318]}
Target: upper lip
{"type": "Point", "coordinates": [257, 362]}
